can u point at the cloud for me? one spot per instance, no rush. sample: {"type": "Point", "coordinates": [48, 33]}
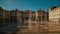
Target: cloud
{"type": "Point", "coordinates": [8, 2]}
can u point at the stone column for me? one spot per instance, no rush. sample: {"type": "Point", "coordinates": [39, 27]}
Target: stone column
{"type": "Point", "coordinates": [3, 17]}
{"type": "Point", "coordinates": [36, 22]}
{"type": "Point", "coordinates": [36, 16]}
{"type": "Point", "coordinates": [30, 15]}
{"type": "Point", "coordinates": [41, 17]}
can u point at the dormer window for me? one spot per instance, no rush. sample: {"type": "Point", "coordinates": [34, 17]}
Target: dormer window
{"type": "Point", "coordinates": [53, 8]}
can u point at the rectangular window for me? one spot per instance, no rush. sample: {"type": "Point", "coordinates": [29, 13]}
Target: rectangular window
{"type": "Point", "coordinates": [0, 14]}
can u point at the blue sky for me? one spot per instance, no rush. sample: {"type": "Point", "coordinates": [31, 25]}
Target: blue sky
{"type": "Point", "coordinates": [28, 4]}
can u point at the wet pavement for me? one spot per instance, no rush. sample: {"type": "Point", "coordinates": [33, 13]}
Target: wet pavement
{"type": "Point", "coordinates": [11, 27]}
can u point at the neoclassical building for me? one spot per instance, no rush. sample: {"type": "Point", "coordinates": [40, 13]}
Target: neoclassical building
{"type": "Point", "coordinates": [42, 16]}
{"type": "Point", "coordinates": [15, 16]}
{"type": "Point", "coordinates": [54, 14]}
{"type": "Point", "coordinates": [54, 19]}
{"type": "Point", "coordinates": [4, 16]}
{"type": "Point", "coordinates": [21, 16]}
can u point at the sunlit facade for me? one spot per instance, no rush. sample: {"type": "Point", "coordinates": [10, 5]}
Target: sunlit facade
{"type": "Point", "coordinates": [54, 19]}
{"type": "Point", "coordinates": [54, 14]}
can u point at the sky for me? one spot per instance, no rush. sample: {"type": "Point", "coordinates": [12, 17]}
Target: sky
{"type": "Point", "coordinates": [28, 4]}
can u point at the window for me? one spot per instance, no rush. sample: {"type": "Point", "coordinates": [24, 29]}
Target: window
{"type": "Point", "coordinates": [59, 19]}
{"type": "Point", "coordinates": [39, 15]}
{"type": "Point", "coordinates": [59, 13]}
{"type": "Point", "coordinates": [13, 13]}
{"type": "Point", "coordinates": [18, 14]}
{"type": "Point", "coordinates": [0, 14]}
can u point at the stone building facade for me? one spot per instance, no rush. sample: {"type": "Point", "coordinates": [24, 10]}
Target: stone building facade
{"type": "Point", "coordinates": [54, 19]}
{"type": "Point", "coordinates": [42, 16]}
{"type": "Point", "coordinates": [16, 16]}
{"type": "Point", "coordinates": [20, 16]}
{"type": "Point", "coordinates": [4, 16]}
{"type": "Point", "coordinates": [54, 14]}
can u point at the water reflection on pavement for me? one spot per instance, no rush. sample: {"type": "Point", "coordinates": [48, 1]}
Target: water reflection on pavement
{"type": "Point", "coordinates": [11, 27]}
